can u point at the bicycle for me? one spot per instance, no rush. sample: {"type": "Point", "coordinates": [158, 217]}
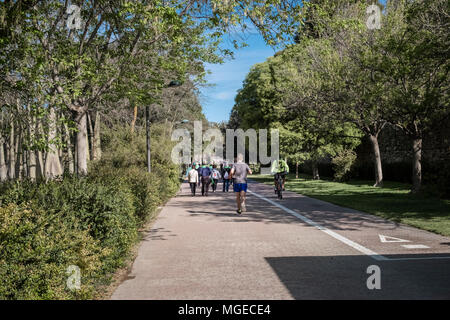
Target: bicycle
{"type": "Point", "coordinates": [279, 182]}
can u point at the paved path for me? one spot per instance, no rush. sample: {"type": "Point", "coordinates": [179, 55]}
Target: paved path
{"type": "Point", "coordinates": [297, 248]}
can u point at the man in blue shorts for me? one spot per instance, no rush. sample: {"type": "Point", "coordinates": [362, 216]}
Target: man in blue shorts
{"type": "Point", "coordinates": [239, 173]}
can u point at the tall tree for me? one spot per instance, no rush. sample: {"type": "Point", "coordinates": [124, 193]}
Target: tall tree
{"type": "Point", "coordinates": [416, 63]}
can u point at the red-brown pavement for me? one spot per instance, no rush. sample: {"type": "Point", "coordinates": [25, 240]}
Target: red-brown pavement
{"type": "Point", "coordinates": [296, 248]}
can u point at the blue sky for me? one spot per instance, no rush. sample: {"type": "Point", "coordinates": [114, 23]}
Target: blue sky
{"type": "Point", "coordinates": [218, 100]}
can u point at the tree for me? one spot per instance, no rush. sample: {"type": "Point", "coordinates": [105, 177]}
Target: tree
{"type": "Point", "coordinates": [81, 66]}
{"type": "Point", "coordinates": [356, 92]}
{"type": "Point", "coordinates": [416, 64]}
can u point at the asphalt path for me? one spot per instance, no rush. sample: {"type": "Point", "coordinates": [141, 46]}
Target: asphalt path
{"type": "Point", "coordinates": [296, 248]}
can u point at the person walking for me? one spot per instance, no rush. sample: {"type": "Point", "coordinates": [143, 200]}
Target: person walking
{"type": "Point", "coordinates": [239, 173]}
{"type": "Point", "coordinates": [189, 169]}
{"type": "Point", "coordinates": [193, 180]}
{"type": "Point", "coordinates": [199, 170]}
{"type": "Point", "coordinates": [215, 176]}
{"type": "Point", "coordinates": [226, 175]}
{"type": "Point", "coordinates": [205, 173]}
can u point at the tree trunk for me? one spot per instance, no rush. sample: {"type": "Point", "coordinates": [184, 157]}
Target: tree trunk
{"type": "Point", "coordinates": [70, 159]}
{"type": "Point", "coordinates": [3, 168]}
{"type": "Point", "coordinates": [39, 155]}
{"type": "Point", "coordinates": [12, 155]}
{"type": "Point", "coordinates": [90, 138]}
{"type": "Point", "coordinates": [133, 122]}
{"type": "Point", "coordinates": [19, 152]}
{"type": "Point", "coordinates": [315, 170]}
{"type": "Point", "coordinates": [296, 170]}
{"type": "Point", "coordinates": [377, 161]}
{"type": "Point", "coordinates": [32, 163]}
{"type": "Point", "coordinates": [82, 146]}
{"type": "Point", "coordinates": [53, 167]}
{"type": "Point", "coordinates": [417, 165]}
{"type": "Point", "coordinates": [96, 145]}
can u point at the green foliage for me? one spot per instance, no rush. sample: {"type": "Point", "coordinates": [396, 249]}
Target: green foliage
{"type": "Point", "coordinates": [283, 93]}
{"type": "Point", "coordinates": [90, 222]}
{"type": "Point", "coordinates": [342, 80]}
{"type": "Point", "coordinates": [343, 162]}
{"type": "Point", "coordinates": [36, 247]}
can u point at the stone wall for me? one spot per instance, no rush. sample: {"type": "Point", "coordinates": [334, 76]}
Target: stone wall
{"type": "Point", "coordinates": [396, 155]}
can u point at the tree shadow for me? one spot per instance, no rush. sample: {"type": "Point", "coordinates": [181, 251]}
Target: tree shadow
{"type": "Point", "coordinates": [345, 277]}
{"type": "Point", "coordinates": [157, 234]}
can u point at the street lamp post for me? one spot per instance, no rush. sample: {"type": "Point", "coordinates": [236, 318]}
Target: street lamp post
{"type": "Point", "coordinates": [147, 126]}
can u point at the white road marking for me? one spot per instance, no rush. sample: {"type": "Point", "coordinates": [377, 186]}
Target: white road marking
{"type": "Point", "coordinates": [343, 239]}
{"type": "Point", "coordinates": [391, 239]}
{"type": "Point", "coordinates": [415, 246]}
{"type": "Point", "coordinates": [418, 258]}
{"type": "Point", "coordinates": [335, 235]}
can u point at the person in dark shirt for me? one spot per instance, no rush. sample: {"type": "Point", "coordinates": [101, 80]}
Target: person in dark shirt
{"type": "Point", "coordinates": [198, 167]}
{"type": "Point", "coordinates": [205, 174]}
{"type": "Point", "coordinates": [226, 175]}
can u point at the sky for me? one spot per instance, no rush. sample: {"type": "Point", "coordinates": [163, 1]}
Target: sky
{"type": "Point", "coordinates": [227, 78]}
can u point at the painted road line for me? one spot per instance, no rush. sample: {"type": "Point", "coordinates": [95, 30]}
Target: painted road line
{"type": "Point", "coordinates": [335, 235]}
{"type": "Point", "coordinates": [415, 246]}
{"type": "Point", "coordinates": [391, 239]}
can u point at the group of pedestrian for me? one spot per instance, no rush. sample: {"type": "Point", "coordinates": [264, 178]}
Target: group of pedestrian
{"type": "Point", "coordinates": [206, 175]}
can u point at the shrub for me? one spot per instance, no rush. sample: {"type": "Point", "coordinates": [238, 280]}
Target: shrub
{"type": "Point", "coordinates": [35, 250]}
{"type": "Point", "coordinates": [106, 211]}
{"type": "Point", "coordinates": [342, 163]}
{"type": "Point", "coordinates": [90, 222]}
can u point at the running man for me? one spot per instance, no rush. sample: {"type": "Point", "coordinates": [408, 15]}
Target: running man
{"type": "Point", "coordinates": [239, 173]}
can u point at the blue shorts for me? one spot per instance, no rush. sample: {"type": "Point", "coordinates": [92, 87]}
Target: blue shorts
{"type": "Point", "coordinates": [238, 187]}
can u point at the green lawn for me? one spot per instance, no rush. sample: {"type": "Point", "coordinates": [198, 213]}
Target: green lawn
{"type": "Point", "coordinates": [392, 202]}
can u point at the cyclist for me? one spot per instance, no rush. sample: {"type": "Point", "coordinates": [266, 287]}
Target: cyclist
{"type": "Point", "coordinates": [279, 167]}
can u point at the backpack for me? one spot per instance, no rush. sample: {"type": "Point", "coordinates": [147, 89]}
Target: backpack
{"type": "Point", "coordinates": [225, 176]}
{"type": "Point", "coordinates": [215, 174]}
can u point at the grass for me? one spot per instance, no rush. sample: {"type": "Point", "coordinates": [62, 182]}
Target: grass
{"type": "Point", "coordinates": [392, 202]}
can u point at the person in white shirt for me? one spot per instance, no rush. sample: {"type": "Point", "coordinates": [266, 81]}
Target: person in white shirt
{"type": "Point", "coordinates": [193, 180]}
{"type": "Point", "coordinates": [215, 176]}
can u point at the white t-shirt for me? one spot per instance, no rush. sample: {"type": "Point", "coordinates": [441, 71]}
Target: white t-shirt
{"type": "Point", "coordinates": [193, 176]}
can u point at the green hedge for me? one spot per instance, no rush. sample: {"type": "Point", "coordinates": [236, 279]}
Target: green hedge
{"type": "Point", "coordinates": [90, 222]}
